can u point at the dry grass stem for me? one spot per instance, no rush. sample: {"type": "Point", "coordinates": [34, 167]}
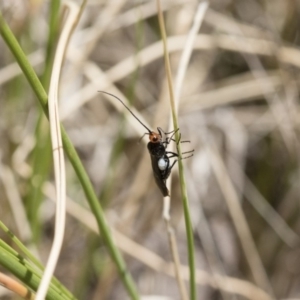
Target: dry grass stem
{"type": "Point", "coordinates": [57, 148]}
{"type": "Point", "coordinates": [16, 287]}
{"type": "Point", "coordinates": [17, 207]}
{"type": "Point", "coordinates": [175, 255]}
{"type": "Point", "coordinates": [276, 222]}
{"type": "Point", "coordinates": [239, 220]}
{"type": "Point", "coordinates": [12, 70]}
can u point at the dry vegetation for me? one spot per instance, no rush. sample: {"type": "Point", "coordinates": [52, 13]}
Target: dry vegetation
{"type": "Point", "coordinates": [238, 108]}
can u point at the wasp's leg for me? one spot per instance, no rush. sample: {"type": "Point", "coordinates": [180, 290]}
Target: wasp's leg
{"type": "Point", "coordinates": [187, 152]}
{"type": "Point", "coordinates": [168, 170]}
{"type": "Point", "coordinates": [168, 139]}
{"type": "Point", "coordinates": [173, 154]}
{"type": "Point", "coordinates": [173, 131]}
{"type": "Point", "coordinates": [179, 140]}
{"type": "Point", "coordinates": [173, 164]}
{"type": "Point", "coordinates": [172, 139]}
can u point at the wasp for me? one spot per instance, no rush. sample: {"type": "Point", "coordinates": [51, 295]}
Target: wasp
{"type": "Point", "coordinates": [157, 147]}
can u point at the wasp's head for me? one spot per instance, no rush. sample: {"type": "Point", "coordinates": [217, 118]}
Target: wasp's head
{"type": "Point", "coordinates": [154, 137]}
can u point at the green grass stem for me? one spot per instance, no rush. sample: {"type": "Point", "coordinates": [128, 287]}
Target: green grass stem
{"type": "Point", "coordinates": [31, 257]}
{"type": "Point", "coordinates": [31, 277]}
{"type": "Point", "coordinates": [41, 154]}
{"type": "Point", "coordinates": [185, 202]}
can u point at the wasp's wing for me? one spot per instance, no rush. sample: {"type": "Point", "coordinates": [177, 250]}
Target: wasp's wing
{"type": "Point", "coordinates": [158, 176]}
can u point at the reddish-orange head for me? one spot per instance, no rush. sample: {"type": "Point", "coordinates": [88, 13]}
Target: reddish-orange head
{"type": "Point", "coordinates": [154, 137]}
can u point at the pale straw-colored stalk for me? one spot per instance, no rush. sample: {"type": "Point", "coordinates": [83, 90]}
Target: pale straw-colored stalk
{"type": "Point", "coordinates": [16, 287]}
{"type": "Point", "coordinates": [16, 204]}
{"type": "Point", "coordinates": [12, 70]}
{"type": "Point", "coordinates": [58, 153]}
{"type": "Point", "coordinates": [238, 218]}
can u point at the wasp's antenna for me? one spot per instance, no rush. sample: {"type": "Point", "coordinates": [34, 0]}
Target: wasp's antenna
{"type": "Point", "coordinates": [127, 109]}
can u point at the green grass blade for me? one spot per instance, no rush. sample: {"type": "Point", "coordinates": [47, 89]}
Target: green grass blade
{"type": "Point", "coordinates": [41, 154]}
{"type": "Point", "coordinates": [185, 202]}
{"type": "Point", "coordinates": [30, 256]}
{"type": "Point", "coordinates": [30, 276]}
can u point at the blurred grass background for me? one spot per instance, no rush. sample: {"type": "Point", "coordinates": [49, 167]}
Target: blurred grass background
{"type": "Point", "coordinates": [240, 98]}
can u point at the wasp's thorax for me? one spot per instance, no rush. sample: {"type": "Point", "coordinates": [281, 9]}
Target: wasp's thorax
{"type": "Point", "coordinates": [155, 146]}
